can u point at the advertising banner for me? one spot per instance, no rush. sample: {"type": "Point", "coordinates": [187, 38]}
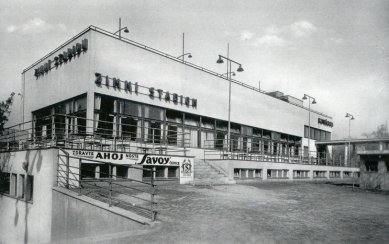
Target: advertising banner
{"type": "Point", "coordinates": [185, 164]}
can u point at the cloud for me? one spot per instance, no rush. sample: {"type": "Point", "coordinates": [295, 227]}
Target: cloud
{"type": "Point", "coordinates": [246, 35]}
{"type": "Point", "coordinates": [35, 25]}
{"type": "Point", "coordinates": [274, 30]}
{"type": "Point", "coordinates": [337, 40]}
{"type": "Point", "coordinates": [302, 28]}
{"type": "Point", "coordinates": [271, 40]}
{"type": "Point", "coordinates": [11, 28]}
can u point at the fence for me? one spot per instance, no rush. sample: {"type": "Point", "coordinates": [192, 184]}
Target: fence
{"type": "Point", "coordinates": [283, 153]}
{"type": "Point", "coordinates": [75, 132]}
{"type": "Point", "coordinates": [114, 190]}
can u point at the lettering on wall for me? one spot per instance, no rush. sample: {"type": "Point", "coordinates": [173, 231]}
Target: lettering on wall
{"type": "Point", "coordinates": [325, 122]}
{"type": "Point", "coordinates": [62, 58]}
{"type": "Point", "coordinates": [133, 87]}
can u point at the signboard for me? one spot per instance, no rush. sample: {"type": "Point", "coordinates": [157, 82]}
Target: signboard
{"type": "Point", "coordinates": [61, 58]}
{"type": "Point", "coordinates": [153, 93]}
{"type": "Point", "coordinates": [325, 122]}
{"type": "Point", "coordinates": [185, 164]}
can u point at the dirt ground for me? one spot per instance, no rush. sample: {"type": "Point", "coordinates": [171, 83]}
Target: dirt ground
{"type": "Point", "coordinates": [265, 213]}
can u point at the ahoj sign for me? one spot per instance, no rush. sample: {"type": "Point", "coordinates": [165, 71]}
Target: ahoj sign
{"type": "Point", "coordinates": [62, 58]}
{"type": "Point", "coordinates": [133, 87]}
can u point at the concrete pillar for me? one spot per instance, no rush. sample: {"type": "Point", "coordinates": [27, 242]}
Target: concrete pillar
{"type": "Point", "coordinates": [346, 153]}
{"type": "Point", "coordinates": [114, 172]}
{"type": "Point", "coordinates": [97, 172]}
{"type": "Point", "coordinates": [310, 174]}
{"type": "Point", "coordinates": [290, 174]}
{"type": "Point", "coordinates": [90, 101]}
{"type": "Point", "coordinates": [264, 173]}
{"type": "Point", "coordinates": [165, 172]}
{"type": "Point", "coordinates": [13, 185]}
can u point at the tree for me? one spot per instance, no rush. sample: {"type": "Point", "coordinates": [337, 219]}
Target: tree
{"type": "Point", "coordinates": [5, 110]}
{"type": "Point", "coordinates": [382, 131]}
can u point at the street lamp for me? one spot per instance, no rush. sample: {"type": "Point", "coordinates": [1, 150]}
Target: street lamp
{"type": "Point", "coordinates": [182, 56]}
{"type": "Point", "coordinates": [351, 117]}
{"type": "Point", "coordinates": [229, 72]}
{"type": "Point", "coordinates": [233, 73]}
{"type": "Point", "coordinates": [124, 29]}
{"type": "Point", "coordinates": [183, 50]}
{"type": "Point", "coordinates": [309, 123]}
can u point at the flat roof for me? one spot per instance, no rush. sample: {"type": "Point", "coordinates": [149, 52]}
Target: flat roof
{"type": "Point", "coordinates": [353, 141]}
{"type": "Point", "coordinates": [168, 56]}
{"type": "Point", "coordinates": [373, 152]}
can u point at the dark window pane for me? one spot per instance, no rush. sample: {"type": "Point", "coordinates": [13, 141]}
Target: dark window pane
{"type": "Point", "coordinates": [4, 183]}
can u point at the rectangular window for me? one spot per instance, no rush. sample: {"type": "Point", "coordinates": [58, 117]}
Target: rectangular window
{"type": "Point", "coordinates": [151, 112]}
{"type": "Point", "coordinates": [121, 171]}
{"type": "Point", "coordinates": [147, 171]}
{"type": "Point", "coordinates": [328, 136]}
{"type": "Point", "coordinates": [172, 172]}
{"type": "Point", "coordinates": [306, 131]}
{"type": "Point", "coordinates": [236, 173]}
{"type": "Point", "coordinates": [322, 135]}
{"type": "Point", "coordinates": [319, 174]}
{"type": "Point", "coordinates": [160, 172]}
{"type": "Point", "coordinates": [334, 174]}
{"type": "Point", "coordinates": [371, 166]}
{"type": "Point", "coordinates": [312, 135]}
{"type": "Point", "coordinates": [243, 173]}
{"type": "Point", "coordinates": [29, 188]}
{"type": "Point", "coordinates": [4, 183]}
{"type": "Point", "coordinates": [317, 135]}
{"type": "Point", "coordinates": [280, 173]}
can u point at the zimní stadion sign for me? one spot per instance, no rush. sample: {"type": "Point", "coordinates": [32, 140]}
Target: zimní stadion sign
{"type": "Point", "coordinates": [134, 88]}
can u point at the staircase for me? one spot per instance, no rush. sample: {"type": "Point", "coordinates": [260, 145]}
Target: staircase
{"type": "Point", "coordinates": [206, 174]}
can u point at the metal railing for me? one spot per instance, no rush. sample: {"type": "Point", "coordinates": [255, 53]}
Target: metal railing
{"type": "Point", "coordinates": [67, 131]}
{"type": "Point", "coordinates": [284, 153]}
{"type": "Point", "coordinates": [116, 191]}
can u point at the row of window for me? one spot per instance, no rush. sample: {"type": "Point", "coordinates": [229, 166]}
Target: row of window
{"type": "Point", "coordinates": [117, 118]}
{"type": "Point", "coordinates": [91, 171]}
{"type": "Point", "coordinates": [17, 185]}
{"type": "Point", "coordinates": [247, 173]}
{"type": "Point", "coordinates": [316, 134]}
{"type": "Point", "coordinates": [244, 173]}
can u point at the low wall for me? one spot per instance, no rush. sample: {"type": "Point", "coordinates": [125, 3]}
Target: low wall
{"type": "Point", "coordinates": [77, 219]}
{"type": "Point", "coordinates": [229, 166]}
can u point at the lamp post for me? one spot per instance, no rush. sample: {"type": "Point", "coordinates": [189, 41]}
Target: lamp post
{"type": "Point", "coordinates": [125, 29]}
{"type": "Point", "coordinates": [183, 50]}
{"type": "Point", "coordinates": [309, 123]}
{"type": "Point", "coordinates": [351, 117]}
{"type": "Point", "coordinates": [229, 72]}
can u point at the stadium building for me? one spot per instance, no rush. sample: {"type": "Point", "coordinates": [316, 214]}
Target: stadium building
{"type": "Point", "coordinates": [102, 109]}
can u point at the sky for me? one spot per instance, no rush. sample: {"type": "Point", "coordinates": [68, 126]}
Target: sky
{"type": "Point", "coordinates": [334, 51]}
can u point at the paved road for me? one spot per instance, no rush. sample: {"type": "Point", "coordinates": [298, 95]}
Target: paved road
{"type": "Point", "coordinates": [266, 213]}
